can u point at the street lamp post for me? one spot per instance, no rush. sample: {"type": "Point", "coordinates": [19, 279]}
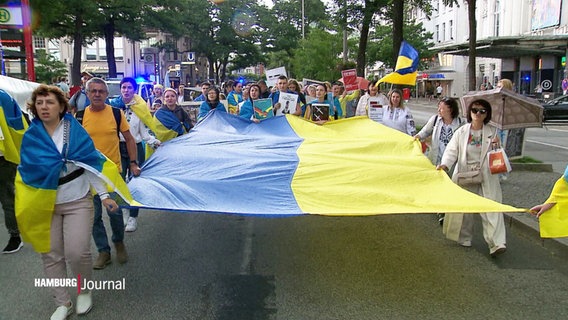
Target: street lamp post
{"type": "Point", "coordinates": [303, 21]}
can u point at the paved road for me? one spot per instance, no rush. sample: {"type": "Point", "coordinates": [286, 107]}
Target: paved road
{"type": "Point", "coordinates": [206, 266]}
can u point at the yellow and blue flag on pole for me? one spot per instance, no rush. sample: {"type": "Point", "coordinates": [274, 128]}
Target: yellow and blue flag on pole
{"type": "Point", "coordinates": [38, 176]}
{"type": "Point", "coordinates": [12, 127]}
{"type": "Point", "coordinates": [406, 68]}
{"type": "Point", "coordinates": [286, 165]}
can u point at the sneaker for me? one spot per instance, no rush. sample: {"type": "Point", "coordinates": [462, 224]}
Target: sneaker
{"type": "Point", "coordinates": [62, 312]}
{"type": "Point", "coordinates": [14, 245]}
{"type": "Point", "coordinates": [121, 254]}
{"type": "Point", "coordinates": [84, 303]}
{"type": "Point", "coordinates": [102, 261]}
{"type": "Point", "coordinates": [131, 225]}
{"type": "Point", "coordinates": [465, 243]}
{"type": "Point", "coordinates": [441, 218]}
{"type": "Point", "coordinates": [497, 250]}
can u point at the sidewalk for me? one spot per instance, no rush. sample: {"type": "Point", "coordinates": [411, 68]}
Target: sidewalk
{"type": "Point", "coordinates": [524, 189]}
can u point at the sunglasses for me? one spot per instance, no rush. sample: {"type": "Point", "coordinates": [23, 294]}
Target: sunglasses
{"type": "Point", "coordinates": [475, 110]}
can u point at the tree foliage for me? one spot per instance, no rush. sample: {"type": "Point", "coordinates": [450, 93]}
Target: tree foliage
{"type": "Point", "coordinates": [48, 67]}
{"type": "Point", "coordinates": [317, 56]}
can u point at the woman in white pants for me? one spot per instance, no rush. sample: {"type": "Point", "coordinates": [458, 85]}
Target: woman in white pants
{"type": "Point", "coordinates": [469, 147]}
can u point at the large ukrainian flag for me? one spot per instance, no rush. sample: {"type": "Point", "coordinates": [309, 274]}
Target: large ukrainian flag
{"type": "Point", "coordinates": [12, 127]}
{"type": "Point", "coordinates": [286, 165]}
{"type": "Point", "coordinates": [554, 223]}
{"type": "Point", "coordinates": [406, 67]}
{"type": "Point", "coordinates": [38, 175]}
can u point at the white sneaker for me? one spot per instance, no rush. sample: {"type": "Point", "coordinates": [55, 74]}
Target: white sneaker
{"type": "Point", "coordinates": [131, 225]}
{"type": "Point", "coordinates": [62, 312]}
{"type": "Point", "coordinates": [84, 303]}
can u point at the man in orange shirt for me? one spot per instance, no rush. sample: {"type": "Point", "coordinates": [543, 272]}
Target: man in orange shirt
{"type": "Point", "coordinates": [101, 123]}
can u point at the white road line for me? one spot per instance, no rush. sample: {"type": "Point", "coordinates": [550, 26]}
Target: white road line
{"type": "Point", "coordinates": [548, 144]}
{"type": "Point", "coordinates": [247, 247]}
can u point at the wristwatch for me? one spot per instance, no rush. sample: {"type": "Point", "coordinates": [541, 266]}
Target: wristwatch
{"type": "Point", "coordinates": [134, 161]}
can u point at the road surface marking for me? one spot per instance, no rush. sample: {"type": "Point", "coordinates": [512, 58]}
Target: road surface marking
{"type": "Point", "coordinates": [247, 248]}
{"type": "Point", "coordinates": [548, 144]}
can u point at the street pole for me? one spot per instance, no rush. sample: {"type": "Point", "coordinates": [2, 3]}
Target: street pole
{"type": "Point", "coordinates": [3, 70]}
{"type": "Point", "coordinates": [303, 21]}
{"type": "Point", "coordinates": [28, 40]}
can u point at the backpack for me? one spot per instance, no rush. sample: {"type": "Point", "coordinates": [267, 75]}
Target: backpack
{"type": "Point", "coordinates": [115, 112]}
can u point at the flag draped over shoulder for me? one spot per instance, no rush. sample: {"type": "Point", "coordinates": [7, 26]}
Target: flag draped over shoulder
{"type": "Point", "coordinates": [167, 125]}
{"type": "Point", "coordinates": [286, 165]}
{"type": "Point", "coordinates": [406, 67]}
{"type": "Point", "coordinates": [38, 175]}
{"type": "Point", "coordinates": [554, 223]}
{"type": "Point", "coordinates": [12, 127]}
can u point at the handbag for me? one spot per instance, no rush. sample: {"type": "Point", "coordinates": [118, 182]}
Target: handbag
{"type": "Point", "coordinates": [471, 177]}
{"type": "Point", "coordinates": [499, 162]}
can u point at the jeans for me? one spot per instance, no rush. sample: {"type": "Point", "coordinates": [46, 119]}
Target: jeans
{"type": "Point", "coordinates": [116, 224]}
{"type": "Point", "coordinates": [7, 197]}
{"type": "Point", "coordinates": [125, 163]}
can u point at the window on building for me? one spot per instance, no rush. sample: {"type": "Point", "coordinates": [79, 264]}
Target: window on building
{"type": "Point", "coordinates": [437, 39]}
{"type": "Point", "coordinates": [39, 43]}
{"type": "Point", "coordinates": [497, 18]}
{"type": "Point", "coordinates": [443, 32]}
{"type": "Point", "coordinates": [119, 49]}
{"type": "Point", "coordinates": [451, 26]}
{"type": "Point", "coordinates": [101, 49]}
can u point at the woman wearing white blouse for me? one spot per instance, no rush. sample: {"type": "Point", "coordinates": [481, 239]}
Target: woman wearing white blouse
{"type": "Point", "coordinates": [397, 116]}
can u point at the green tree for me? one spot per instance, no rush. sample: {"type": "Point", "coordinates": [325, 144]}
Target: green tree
{"type": "Point", "coordinates": [120, 17]}
{"type": "Point", "coordinates": [48, 67]}
{"type": "Point", "coordinates": [75, 26]}
{"type": "Point", "coordinates": [318, 56]}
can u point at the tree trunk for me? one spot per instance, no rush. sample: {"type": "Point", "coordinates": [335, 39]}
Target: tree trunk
{"type": "Point", "coordinates": [77, 48]}
{"type": "Point", "coordinates": [397, 26]}
{"type": "Point", "coordinates": [109, 41]}
{"type": "Point", "coordinates": [361, 55]}
{"type": "Point", "coordinates": [472, 44]}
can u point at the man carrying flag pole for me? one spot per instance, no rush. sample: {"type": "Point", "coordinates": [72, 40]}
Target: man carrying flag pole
{"type": "Point", "coordinates": [406, 67]}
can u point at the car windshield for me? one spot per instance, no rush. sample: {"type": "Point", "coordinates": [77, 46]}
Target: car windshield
{"type": "Point", "coordinates": [113, 90]}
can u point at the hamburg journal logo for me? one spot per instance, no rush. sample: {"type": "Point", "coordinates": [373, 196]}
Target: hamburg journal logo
{"type": "Point", "coordinates": [80, 283]}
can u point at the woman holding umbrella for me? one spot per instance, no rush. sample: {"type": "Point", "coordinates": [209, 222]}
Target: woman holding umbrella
{"type": "Point", "coordinates": [468, 149]}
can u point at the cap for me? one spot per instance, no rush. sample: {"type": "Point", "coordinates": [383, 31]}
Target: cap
{"type": "Point", "coordinates": [87, 74]}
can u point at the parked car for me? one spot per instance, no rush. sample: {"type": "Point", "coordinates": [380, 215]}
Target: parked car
{"type": "Point", "coordinates": [144, 89]}
{"type": "Point", "coordinates": [556, 109]}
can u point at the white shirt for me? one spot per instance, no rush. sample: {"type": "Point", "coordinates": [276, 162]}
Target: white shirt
{"type": "Point", "coordinates": [76, 188]}
{"type": "Point", "coordinates": [137, 128]}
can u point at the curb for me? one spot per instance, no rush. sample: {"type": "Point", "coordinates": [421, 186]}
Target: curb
{"type": "Point", "coordinates": [535, 167]}
{"type": "Point", "coordinates": [528, 224]}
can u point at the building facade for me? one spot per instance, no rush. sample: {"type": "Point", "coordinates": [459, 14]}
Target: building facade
{"type": "Point", "coordinates": [521, 40]}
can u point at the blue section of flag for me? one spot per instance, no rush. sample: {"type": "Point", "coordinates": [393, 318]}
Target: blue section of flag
{"type": "Point", "coordinates": [259, 158]}
{"type": "Point", "coordinates": [407, 51]}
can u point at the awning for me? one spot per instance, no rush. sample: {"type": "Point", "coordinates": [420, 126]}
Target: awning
{"type": "Point", "coordinates": [510, 47]}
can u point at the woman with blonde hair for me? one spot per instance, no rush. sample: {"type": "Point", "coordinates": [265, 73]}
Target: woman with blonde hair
{"type": "Point", "coordinates": [397, 116]}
